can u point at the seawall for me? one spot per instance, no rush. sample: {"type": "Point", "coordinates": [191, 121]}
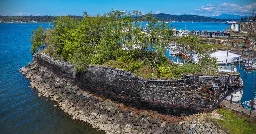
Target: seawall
{"type": "Point", "coordinates": [101, 96]}
{"type": "Point", "coordinates": [189, 95]}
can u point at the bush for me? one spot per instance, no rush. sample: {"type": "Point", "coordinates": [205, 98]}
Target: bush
{"type": "Point", "coordinates": [37, 39]}
{"type": "Point", "coordinates": [101, 40]}
{"type": "Point", "coordinates": [235, 124]}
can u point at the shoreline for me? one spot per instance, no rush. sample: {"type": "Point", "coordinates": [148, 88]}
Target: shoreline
{"type": "Point", "coordinates": [107, 115]}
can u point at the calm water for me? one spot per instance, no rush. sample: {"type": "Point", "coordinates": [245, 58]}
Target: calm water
{"type": "Point", "coordinates": [21, 110]}
{"type": "Point", "coordinates": [249, 79]}
{"type": "Point", "coordinates": [204, 26]}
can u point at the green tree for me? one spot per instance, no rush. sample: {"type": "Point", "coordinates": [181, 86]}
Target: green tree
{"type": "Point", "coordinates": [63, 36]}
{"type": "Point", "coordinates": [37, 39]}
{"type": "Point", "coordinates": [117, 39]}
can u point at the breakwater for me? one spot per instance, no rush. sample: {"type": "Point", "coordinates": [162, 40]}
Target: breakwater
{"type": "Point", "coordinates": [87, 96]}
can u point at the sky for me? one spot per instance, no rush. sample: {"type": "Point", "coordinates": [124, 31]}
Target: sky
{"type": "Point", "coordinates": [93, 7]}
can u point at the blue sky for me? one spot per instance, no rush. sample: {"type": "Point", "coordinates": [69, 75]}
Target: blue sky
{"type": "Point", "coordinates": [93, 7]}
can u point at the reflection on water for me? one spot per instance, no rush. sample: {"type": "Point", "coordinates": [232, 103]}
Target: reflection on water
{"type": "Point", "coordinates": [249, 80]}
{"type": "Point", "coordinates": [21, 110]}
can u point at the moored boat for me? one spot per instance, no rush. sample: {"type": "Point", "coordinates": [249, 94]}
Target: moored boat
{"type": "Point", "coordinates": [248, 104]}
{"type": "Point", "coordinates": [225, 57]}
{"type": "Point", "coordinates": [236, 97]}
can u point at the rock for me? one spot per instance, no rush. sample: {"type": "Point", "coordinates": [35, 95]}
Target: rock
{"type": "Point", "coordinates": [159, 130]}
{"type": "Point", "coordinates": [127, 130]}
{"type": "Point", "coordinates": [94, 114]}
{"type": "Point", "coordinates": [107, 127]}
{"type": "Point", "coordinates": [163, 124]}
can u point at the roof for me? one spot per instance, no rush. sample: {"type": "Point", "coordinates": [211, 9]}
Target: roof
{"type": "Point", "coordinates": [224, 54]}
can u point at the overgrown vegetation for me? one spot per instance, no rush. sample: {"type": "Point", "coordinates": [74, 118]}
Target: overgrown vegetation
{"type": "Point", "coordinates": [236, 124]}
{"type": "Point", "coordinates": [117, 40]}
{"type": "Point", "coordinates": [37, 39]}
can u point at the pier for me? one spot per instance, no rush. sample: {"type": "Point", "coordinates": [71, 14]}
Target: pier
{"type": "Point", "coordinates": [238, 108]}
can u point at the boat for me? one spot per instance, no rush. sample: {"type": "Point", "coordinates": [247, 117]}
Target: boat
{"type": "Point", "coordinates": [231, 22]}
{"type": "Point", "coordinates": [174, 52]}
{"type": "Point", "coordinates": [225, 57]}
{"type": "Point", "coordinates": [173, 49]}
{"type": "Point", "coordinates": [250, 65]}
{"type": "Point", "coordinates": [253, 67]}
{"type": "Point", "coordinates": [247, 104]}
{"type": "Point", "coordinates": [226, 69]}
{"type": "Point", "coordinates": [236, 97]}
{"type": "Point", "coordinates": [225, 60]}
{"type": "Point", "coordinates": [195, 58]}
{"type": "Point", "coordinates": [247, 66]}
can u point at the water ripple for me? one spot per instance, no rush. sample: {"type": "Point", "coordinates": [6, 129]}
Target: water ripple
{"type": "Point", "coordinates": [21, 110]}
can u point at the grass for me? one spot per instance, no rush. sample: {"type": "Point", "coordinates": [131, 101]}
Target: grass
{"type": "Point", "coordinates": [164, 71]}
{"type": "Point", "coordinates": [144, 71]}
{"type": "Point", "coordinates": [236, 124]}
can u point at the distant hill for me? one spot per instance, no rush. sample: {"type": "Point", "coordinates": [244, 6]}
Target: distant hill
{"type": "Point", "coordinates": [26, 18]}
{"type": "Point", "coordinates": [189, 18]}
{"type": "Point", "coordinates": [160, 16]}
{"type": "Point", "coordinates": [228, 16]}
{"type": "Point", "coordinates": [29, 18]}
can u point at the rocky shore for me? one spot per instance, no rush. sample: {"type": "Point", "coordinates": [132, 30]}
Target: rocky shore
{"type": "Point", "coordinates": [105, 114]}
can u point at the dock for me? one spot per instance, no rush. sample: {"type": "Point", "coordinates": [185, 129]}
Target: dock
{"type": "Point", "coordinates": [238, 108]}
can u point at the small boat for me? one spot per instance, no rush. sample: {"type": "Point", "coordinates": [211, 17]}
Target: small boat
{"type": "Point", "coordinates": [174, 52]}
{"type": "Point", "coordinates": [253, 66]}
{"type": "Point", "coordinates": [236, 97]}
{"type": "Point", "coordinates": [225, 57]}
{"type": "Point", "coordinates": [247, 104]}
{"type": "Point", "coordinates": [247, 66]}
{"type": "Point", "coordinates": [231, 22]}
{"type": "Point", "coordinates": [250, 66]}
{"type": "Point", "coordinates": [228, 69]}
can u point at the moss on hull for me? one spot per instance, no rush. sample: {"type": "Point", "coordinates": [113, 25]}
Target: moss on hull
{"type": "Point", "coordinates": [185, 96]}
{"type": "Point", "coordinates": [54, 79]}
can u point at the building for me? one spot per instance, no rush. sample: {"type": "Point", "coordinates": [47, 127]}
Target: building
{"type": "Point", "coordinates": [234, 27]}
{"type": "Point", "coordinates": [248, 27]}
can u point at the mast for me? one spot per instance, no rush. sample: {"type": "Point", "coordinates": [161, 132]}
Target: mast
{"type": "Point", "coordinates": [252, 18]}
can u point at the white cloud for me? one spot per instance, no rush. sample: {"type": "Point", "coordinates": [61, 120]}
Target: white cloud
{"type": "Point", "coordinates": [23, 14]}
{"type": "Point", "coordinates": [210, 5]}
{"type": "Point", "coordinates": [177, 13]}
{"type": "Point", "coordinates": [157, 12]}
{"type": "Point", "coordinates": [226, 8]}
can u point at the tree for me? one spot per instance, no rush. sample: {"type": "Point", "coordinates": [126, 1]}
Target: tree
{"type": "Point", "coordinates": [63, 36]}
{"type": "Point", "coordinates": [37, 39]}
{"type": "Point", "coordinates": [85, 13]}
{"type": "Point", "coordinates": [116, 39]}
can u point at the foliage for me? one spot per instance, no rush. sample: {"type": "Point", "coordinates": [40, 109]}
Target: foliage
{"type": "Point", "coordinates": [236, 124]}
{"type": "Point", "coordinates": [115, 39]}
{"type": "Point", "coordinates": [207, 64]}
{"type": "Point", "coordinates": [37, 39]}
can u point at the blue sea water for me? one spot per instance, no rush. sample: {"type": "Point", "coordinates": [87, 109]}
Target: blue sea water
{"type": "Point", "coordinates": [249, 80]}
{"type": "Point", "coordinates": [203, 26]}
{"type": "Point", "coordinates": [21, 110]}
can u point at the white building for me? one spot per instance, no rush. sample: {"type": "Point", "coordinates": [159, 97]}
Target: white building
{"type": "Point", "coordinates": [234, 27]}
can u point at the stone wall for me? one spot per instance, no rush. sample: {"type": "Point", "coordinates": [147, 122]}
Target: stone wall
{"type": "Point", "coordinates": [189, 95]}
{"type": "Point", "coordinates": [104, 114]}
